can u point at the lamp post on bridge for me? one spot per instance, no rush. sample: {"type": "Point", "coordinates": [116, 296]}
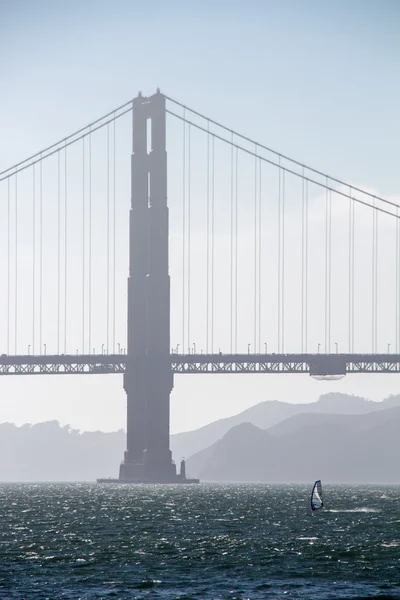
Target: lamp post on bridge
{"type": "Point", "coordinates": [266, 347]}
{"type": "Point", "coordinates": [45, 349]}
{"type": "Point", "coordinates": [119, 348]}
{"type": "Point", "coordinates": [29, 349]}
{"type": "Point", "coordinates": [102, 348]}
{"type": "Point", "coordinates": [194, 348]}
{"type": "Point", "coordinates": [319, 346]}
{"type": "Point", "coordinates": [336, 344]}
{"type": "Point", "coordinates": [248, 348]}
{"type": "Point", "coordinates": [388, 348]}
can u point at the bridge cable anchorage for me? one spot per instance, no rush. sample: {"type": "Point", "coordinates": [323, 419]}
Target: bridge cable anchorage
{"type": "Point", "coordinates": [6, 175]}
{"type": "Point", "coordinates": [68, 138]}
{"type": "Point", "coordinates": [184, 235]}
{"type": "Point", "coordinates": [296, 174]}
{"type": "Point", "coordinates": [278, 154]}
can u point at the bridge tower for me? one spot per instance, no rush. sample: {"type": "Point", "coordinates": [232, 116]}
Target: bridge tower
{"type": "Point", "coordinates": [148, 381]}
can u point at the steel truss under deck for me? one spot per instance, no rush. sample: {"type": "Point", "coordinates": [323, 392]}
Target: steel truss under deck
{"type": "Point", "coordinates": [322, 365]}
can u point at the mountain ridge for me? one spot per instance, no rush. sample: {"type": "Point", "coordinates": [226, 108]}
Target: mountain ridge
{"type": "Point", "coordinates": [271, 412]}
{"type": "Point", "coordinates": [333, 449]}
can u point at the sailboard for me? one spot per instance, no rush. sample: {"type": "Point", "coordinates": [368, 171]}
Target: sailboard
{"type": "Point", "coordinates": [316, 496]}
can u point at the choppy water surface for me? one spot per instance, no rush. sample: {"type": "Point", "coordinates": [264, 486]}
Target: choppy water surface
{"type": "Point", "coordinates": [208, 541]}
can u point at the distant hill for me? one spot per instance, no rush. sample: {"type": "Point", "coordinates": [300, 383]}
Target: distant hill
{"type": "Point", "coordinates": [336, 448]}
{"type": "Point", "coordinates": [49, 452]}
{"type": "Point", "coordinates": [269, 413]}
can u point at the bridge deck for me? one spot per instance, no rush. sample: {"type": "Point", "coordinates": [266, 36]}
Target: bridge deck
{"type": "Point", "coordinates": [186, 364]}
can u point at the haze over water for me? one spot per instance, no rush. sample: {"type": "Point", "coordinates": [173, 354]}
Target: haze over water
{"type": "Point", "coordinates": [208, 541]}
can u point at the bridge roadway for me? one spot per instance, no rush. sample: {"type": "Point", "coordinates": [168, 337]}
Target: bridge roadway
{"type": "Point", "coordinates": [317, 365]}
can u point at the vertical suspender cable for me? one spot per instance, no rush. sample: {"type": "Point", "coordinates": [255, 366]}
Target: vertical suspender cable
{"type": "Point", "coordinates": [376, 280]}
{"type": "Point", "coordinates": [184, 233]}
{"type": "Point", "coordinates": [326, 266]}
{"type": "Point", "coordinates": [58, 249]}
{"type": "Point", "coordinates": [114, 233]}
{"type": "Point", "coordinates": [8, 263]}
{"type": "Point", "coordinates": [352, 278]}
{"type": "Point", "coordinates": [83, 245]}
{"type": "Point", "coordinates": [306, 273]}
{"type": "Point", "coordinates": [208, 241]}
{"type": "Point", "coordinates": [90, 246]}
{"type": "Point", "coordinates": [283, 261]}
{"type": "Point", "coordinates": [329, 267]}
{"type": "Point", "coordinates": [397, 280]}
{"type": "Point", "coordinates": [279, 258]}
{"type": "Point", "coordinates": [212, 241]}
{"type": "Point", "coordinates": [255, 248]}
{"type": "Point", "coordinates": [189, 240]}
{"type": "Point", "coordinates": [16, 265]}
{"type": "Point", "coordinates": [302, 259]}
{"type": "Point", "coordinates": [236, 246]}
{"type": "Point", "coordinates": [232, 221]}
{"type": "Point", "coordinates": [33, 258]}
{"type": "Point", "coordinates": [41, 258]}
{"type": "Point", "coordinates": [108, 239]}
{"type": "Point", "coordinates": [259, 256]}
{"type": "Point", "coordinates": [373, 281]}
{"type": "Point", "coordinates": [350, 264]}
{"type": "Point", "coordinates": [66, 250]}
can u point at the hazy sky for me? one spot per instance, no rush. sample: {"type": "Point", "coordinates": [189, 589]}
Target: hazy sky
{"type": "Point", "coordinates": [317, 81]}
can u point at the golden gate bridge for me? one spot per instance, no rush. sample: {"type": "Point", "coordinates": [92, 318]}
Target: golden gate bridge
{"type": "Point", "coordinates": [276, 266]}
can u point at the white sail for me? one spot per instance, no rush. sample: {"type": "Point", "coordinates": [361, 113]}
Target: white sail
{"type": "Point", "coordinates": [316, 496]}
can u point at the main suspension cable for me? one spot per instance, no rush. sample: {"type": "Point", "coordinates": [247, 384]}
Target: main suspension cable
{"type": "Point", "coordinates": [291, 172]}
{"type": "Point", "coordinates": [278, 154]}
{"type": "Point", "coordinates": [69, 138]}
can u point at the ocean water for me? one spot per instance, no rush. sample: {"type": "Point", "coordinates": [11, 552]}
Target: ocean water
{"type": "Point", "coordinates": [83, 541]}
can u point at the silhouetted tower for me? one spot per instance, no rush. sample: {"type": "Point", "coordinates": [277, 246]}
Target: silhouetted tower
{"type": "Point", "coordinates": [148, 380]}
